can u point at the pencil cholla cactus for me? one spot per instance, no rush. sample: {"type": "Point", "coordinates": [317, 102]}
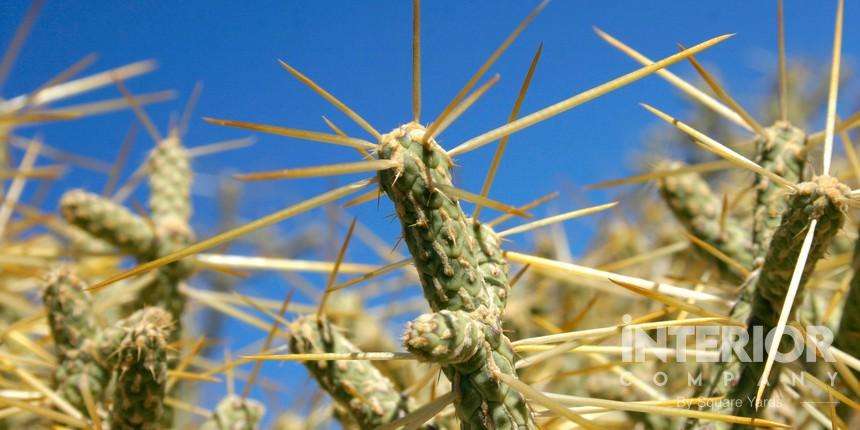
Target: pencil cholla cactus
{"type": "Point", "coordinates": [170, 176]}
{"type": "Point", "coordinates": [848, 337]}
{"type": "Point", "coordinates": [170, 180]}
{"type": "Point", "coordinates": [76, 336]}
{"type": "Point", "coordinates": [170, 202]}
{"type": "Point", "coordinates": [369, 397]}
{"type": "Point", "coordinates": [782, 152]}
{"type": "Point", "coordinates": [825, 199]}
{"type": "Point", "coordinates": [460, 271]}
{"type": "Point", "coordinates": [108, 221]}
{"type": "Point", "coordinates": [139, 357]}
{"type": "Point", "coordinates": [696, 207]}
{"type": "Point", "coordinates": [367, 332]}
{"type": "Point", "coordinates": [235, 413]}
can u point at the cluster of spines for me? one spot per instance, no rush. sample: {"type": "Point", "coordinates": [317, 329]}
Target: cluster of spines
{"type": "Point", "coordinates": [463, 277]}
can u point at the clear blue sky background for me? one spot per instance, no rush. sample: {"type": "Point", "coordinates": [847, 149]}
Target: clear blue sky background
{"type": "Point", "coordinates": [360, 51]}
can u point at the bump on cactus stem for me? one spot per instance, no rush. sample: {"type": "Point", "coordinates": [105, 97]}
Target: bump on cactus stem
{"type": "Point", "coordinates": [694, 205]}
{"type": "Point", "coordinates": [357, 386]}
{"type": "Point", "coordinates": [235, 413]}
{"type": "Point", "coordinates": [444, 337]}
{"type": "Point", "coordinates": [140, 361]}
{"type": "Point", "coordinates": [108, 221]}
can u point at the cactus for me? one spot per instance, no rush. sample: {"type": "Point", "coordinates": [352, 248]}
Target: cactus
{"type": "Point", "coordinates": [170, 203]}
{"type": "Point", "coordinates": [109, 222]}
{"type": "Point", "coordinates": [235, 413]}
{"type": "Point", "coordinates": [848, 336]}
{"type": "Point", "coordinates": [75, 333]}
{"type": "Point", "coordinates": [120, 342]}
{"type": "Point", "coordinates": [139, 357]}
{"type": "Point", "coordinates": [781, 152]}
{"type": "Point", "coordinates": [70, 314]}
{"type": "Point", "coordinates": [170, 179]}
{"type": "Point", "coordinates": [357, 386]}
{"type": "Point", "coordinates": [824, 199]}
{"type": "Point", "coordinates": [694, 205]}
{"type": "Point", "coordinates": [460, 273]}
{"type": "Point", "coordinates": [436, 230]}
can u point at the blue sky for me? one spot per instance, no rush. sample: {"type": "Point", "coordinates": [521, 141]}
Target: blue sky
{"type": "Point", "coordinates": [360, 51]}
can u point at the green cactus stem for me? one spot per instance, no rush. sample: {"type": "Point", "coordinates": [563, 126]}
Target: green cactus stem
{"type": "Point", "coordinates": [140, 362]}
{"type": "Point", "coordinates": [472, 348]}
{"type": "Point", "coordinates": [74, 330]}
{"type": "Point", "coordinates": [491, 263]}
{"type": "Point", "coordinates": [464, 278]}
{"type": "Point", "coordinates": [81, 242]}
{"type": "Point", "coordinates": [823, 198]}
{"type": "Point", "coordinates": [171, 234]}
{"type": "Point", "coordinates": [435, 229]}
{"type": "Point", "coordinates": [235, 413]}
{"type": "Point", "coordinates": [694, 205]}
{"type": "Point", "coordinates": [170, 180]}
{"type": "Point", "coordinates": [782, 152]}
{"type": "Point", "coordinates": [170, 202]}
{"type": "Point", "coordinates": [444, 337]}
{"type": "Point", "coordinates": [108, 221]}
{"type": "Point", "coordinates": [357, 386]}
{"type": "Point", "coordinates": [848, 337]}
{"type": "Point", "coordinates": [69, 306]}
